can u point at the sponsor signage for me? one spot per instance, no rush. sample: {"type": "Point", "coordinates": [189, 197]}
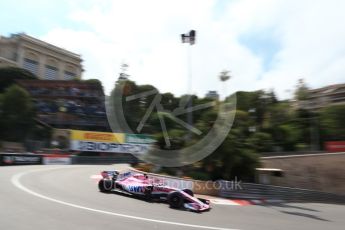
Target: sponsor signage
{"type": "Point", "coordinates": [335, 146]}
{"type": "Point", "coordinates": [57, 160]}
{"type": "Point", "coordinates": [108, 147]}
{"type": "Point", "coordinates": [97, 136]}
{"type": "Point", "coordinates": [20, 159]}
{"type": "Point", "coordinates": [109, 142]}
{"type": "Point", "coordinates": [139, 139]}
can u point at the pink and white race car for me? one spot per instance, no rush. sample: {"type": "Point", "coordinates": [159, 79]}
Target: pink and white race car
{"type": "Point", "coordinates": [141, 185]}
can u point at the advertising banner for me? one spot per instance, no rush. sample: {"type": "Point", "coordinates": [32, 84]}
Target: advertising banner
{"type": "Point", "coordinates": [109, 142]}
{"type": "Point", "coordinates": [139, 139]}
{"type": "Point", "coordinates": [108, 147]}
{"type": "Point", "coordinates": [97, 136]}
{"type": "Point", "coordinates": [54, 159]}
{"type": "Point", "coordinates": [335, 146]}
{"type": "Point", "coordinates": [20, 159]}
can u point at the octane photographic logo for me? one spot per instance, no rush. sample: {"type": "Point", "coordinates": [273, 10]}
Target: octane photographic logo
{"type": "Point", "coordinates": [201, 148]}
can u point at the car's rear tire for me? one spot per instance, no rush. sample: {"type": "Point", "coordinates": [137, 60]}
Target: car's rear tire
{"type": "Point", "coordinates": [105, 185]}
{"type": "Point", "coordinates": [188, 191]}
{"type": "Point", "coordinates": [175, 199]}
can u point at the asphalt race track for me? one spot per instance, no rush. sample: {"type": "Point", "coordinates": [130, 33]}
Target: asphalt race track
{"type": "Point", "coordinates": [64, 197]}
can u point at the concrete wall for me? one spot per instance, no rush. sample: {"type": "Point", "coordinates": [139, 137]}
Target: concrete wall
{"type": "Point", "coordinates": [323, 172]}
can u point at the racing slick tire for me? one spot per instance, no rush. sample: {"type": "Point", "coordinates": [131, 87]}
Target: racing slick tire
{"type": "Point", "coordinates": [188, 191]}
{"type": "Point", "coordinates": [105, 185]}
{"type": "Point", "coordinates": [175, 199]}
{"type": "Point", "coordinates": [148, 193]}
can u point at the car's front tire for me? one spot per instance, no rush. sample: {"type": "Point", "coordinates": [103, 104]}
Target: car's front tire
{"type": "Point", "coordinates": [175, 199]}
{"type": "Point", "coordinates": [105, 185]}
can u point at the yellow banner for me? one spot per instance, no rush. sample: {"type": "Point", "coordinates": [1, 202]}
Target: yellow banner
{"type": "Point", "coordinates": [97, 136]}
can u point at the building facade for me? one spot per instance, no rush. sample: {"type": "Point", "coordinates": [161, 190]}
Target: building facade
{"type": "Point", "coordinates": [46, 61]}
{"type": "Point", "coordinates": [323, 97]}
{"type": "Point", "coordinates": [212, 95]}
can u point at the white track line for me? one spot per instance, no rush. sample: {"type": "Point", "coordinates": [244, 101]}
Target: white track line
{"type": "Point", "coordinates": [16, 181]}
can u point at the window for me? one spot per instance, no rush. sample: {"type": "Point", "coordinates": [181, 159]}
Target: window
{"type": "Point", "coordinates": [31, 65]}
{"type": "Point", "coordinates": [69, 75]}
{"type": "Point", "coordinates": [51, 73]}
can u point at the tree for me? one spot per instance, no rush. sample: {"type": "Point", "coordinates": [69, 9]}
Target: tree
{"type": "Point", "coordinates": [260, 142]}
{"type": "Point", "coordinates": [288, 135]}
{"type": "Point", "coordinates": [134, 110]}
{"type": "Point", "coordinates": [258, 103]}
{"type": "Point", "coordinates": [9, 75]}
{"type": "Point", "coordinates": [279, 113]}
{"type": "Point", "coordinates": [302, 90]}
{"type": "Point", "coordinates": [123, 76]}
{"type": "Point", "coordinates": [333, 123]}
{"type": "Point", "coordinates": [234, 157]}
{"type": "Point", "coordinates": [95, 82]}
{"type": "Point", "coordinates": [17, 114]}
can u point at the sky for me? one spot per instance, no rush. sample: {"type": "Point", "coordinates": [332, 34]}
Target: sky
{"type": "Point", "coordinates": [265, 44]}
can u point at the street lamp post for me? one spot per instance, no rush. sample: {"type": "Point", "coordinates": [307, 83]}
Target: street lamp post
{"type": "Point", "coordinates": [189, 38]}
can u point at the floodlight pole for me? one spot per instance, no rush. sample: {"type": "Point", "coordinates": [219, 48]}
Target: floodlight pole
{"type": "Point", "coordinates": [190, 80]}
{"type": "Point", "coordinates": [191, 40]}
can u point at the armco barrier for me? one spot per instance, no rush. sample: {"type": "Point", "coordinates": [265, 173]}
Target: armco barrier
{"type": "Point", "coordinates": [20, 159]}
{"type": "Point", "coordinates": [120, 158]}
{"type": "Point", "coordinates": [231, 189]}
{"type": "Point", "coordinates": [36, 159]}
{"type": "Point", "coordinates": [260, 191]}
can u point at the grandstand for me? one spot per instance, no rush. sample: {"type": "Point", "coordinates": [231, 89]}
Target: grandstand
{"type": "Point", "coordinates": [68, 104]}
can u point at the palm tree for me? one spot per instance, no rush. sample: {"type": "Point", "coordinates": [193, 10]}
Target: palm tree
{"type": "Point", "coordinates": [224, 76]}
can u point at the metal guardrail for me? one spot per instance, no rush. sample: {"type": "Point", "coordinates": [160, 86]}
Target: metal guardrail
{"type": "Point", "coordinates": [121, 158]}
{"type": "Point", "coordinates": [260, 191]}
{"type": "Point", "coordinates": [273, 154]}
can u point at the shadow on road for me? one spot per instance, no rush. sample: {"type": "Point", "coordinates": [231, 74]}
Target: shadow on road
{"type": "Point", "coordinates": [296, 207]}
{"type": "Point", "coordinates": [143, 198]}
{"type": "Point", "coordinates": [304, 215]}
{"type": "Point", "coordinates": [300, 213]}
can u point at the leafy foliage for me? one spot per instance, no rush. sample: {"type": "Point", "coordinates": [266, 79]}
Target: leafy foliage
{"type": "Point", "coordinates": [96, 82]}
{"type": "Point", "coordinates": [278, 127]}
{"type": "Point", "coordinates": [17, 114]}
{"type": "Point", "coordinates": [333, 123]}
{"type": "Point", "coordinates": [301, 92]}
{"type": "Point", "coordinates": [9, 75]}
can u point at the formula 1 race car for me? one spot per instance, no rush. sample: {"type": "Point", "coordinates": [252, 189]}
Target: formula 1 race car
{"type": "Point", "coordinates": [141, 185]}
